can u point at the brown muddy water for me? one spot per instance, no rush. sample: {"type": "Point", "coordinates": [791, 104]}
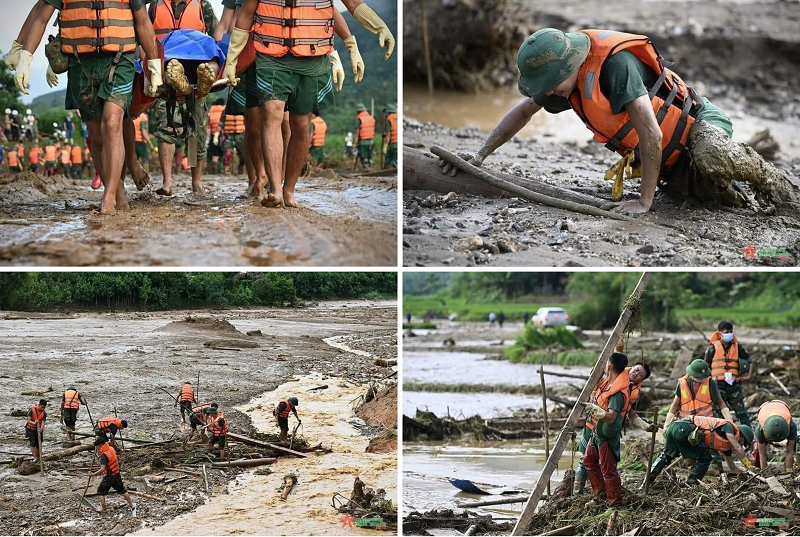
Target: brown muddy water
{"type": "Point", "coordinates": [54, 221]}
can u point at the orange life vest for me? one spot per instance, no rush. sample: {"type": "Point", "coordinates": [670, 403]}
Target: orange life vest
{"type": "Point", "coordinates": [77, 155]}
{"type": "Point", "coordinates": [201, 408]}
{"type": "Point", "coordinates": [137, 126]}
{"type": "Point", "coordinates": [695, 404]}
{"type": "Point", "coordinates": [50, 153]}
{"type": "Point", "coordinates": [65, 156]}
{"type": "Point", "coordinates": [214, 115]}
{"type": "Point", "coordinates": [604, 391]}
{"type": "Point", "coordinates": [674, 114]}
{"type": "Point", "coordinates": [112, 468]}
{"type": "Point", "coordinates": [320, 128]}
{"type": "Point", "coordinates": [286, 411]}
{"type": "Point", "coordinates": [21, 151]}
{"type": "Point", "coordinates": [34, 154]}
{"type": "Point", "coordinates": [711, 437]}
{"type": "Point", "coordinates": [366, 126]}
{"type": "Point", "coordinates": [774, 408]}
{"type": "Point", "coordinates": [94, 26]}
{"type": "Point", "coordinates": [187, 393]}
{"type": "Point", "coordinates": [104, 424]}
{"type": "Point", "coordinates": [234, 124]}
{"type": "Point", "coordinates": [36, 416]}
{"type": "Point", "coordinates": [724, 362]}
{"type": "Point", "coordinates": [302, 27]}
{"type": "Point", "coordinates": [13, 161]}
{"type": "Point", "coordinates": [216, 430]}
{"type": "Point", "coordinates": [191, 19]}
{"type": "Point", "coordinates": [71, 400]}
{"type": "Point", "coordinates": [392, 120]}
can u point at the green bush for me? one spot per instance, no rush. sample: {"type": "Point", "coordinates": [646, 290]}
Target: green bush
{"type": "Point", "coordinates": [274, 289]}
{"type": "Point", "coordinates": [426, 325]}
{"type": "Point", "coordinates": [553, 344]}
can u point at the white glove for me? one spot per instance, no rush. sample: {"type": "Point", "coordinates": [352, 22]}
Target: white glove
{"type": "Point", "coordinates": [238, 42]}
{"type": "Point", "coordinates": [640, 423]}
{"type": "Point", "coordinates": [593, 409]}
{"type": "Point", "coordinates": [670, 419]}
{"type": "Point", "coordinates": [216, 138]}
{"type": "Point", "coordinates": [156, 77]}
{"type": "Point", "coordinates": [726, 413]}
{"type": "Point", "coordinates": [355, 58]}
{"type": "Point", "coordinates": [660, 435]}
{"type": "Point", "coordinates": [337, 70]}
{"type": "Point", "coordinates": [52, 78]}
{"type": "Point", "coordinates": [372, 22]}
{"type": "Point", "coordinates": [23, 76]}
{"type": "Point", "coordinates": [12, 58]}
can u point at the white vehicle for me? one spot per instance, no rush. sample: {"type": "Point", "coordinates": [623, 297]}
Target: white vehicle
{"type": "Point", "coordinates": [550, 317]}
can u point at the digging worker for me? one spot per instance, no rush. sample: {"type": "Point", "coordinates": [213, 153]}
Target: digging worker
{"type": "Point", "coordinates": [696, 437]}
{"type": "Point", "coordinates": [723, 355]}
{"type": "Point", "coordinates": [70, 403]}
{"type": "Point", "coordinates": [636, 374]}
{"type": "Point", "coordinates": [696, 395]}
{"type": "Point", "coordinates": [282, 415]}
{"type": "Point", "coordinates": [187, 398]}
{"type": "Point", "coordinates": [110, 425]}
{"type": "Point", "coordinates": [109, 469]}
{"type": "Point", "coordinates": [623, 91]}
{"type": "Point", "coordinates": [365, 135]}
{"type": "Point", "coordinates": [775, 424]}
{"type": "Point", "coordinates": [218, 426]}
{"type": "Point", "coordinates": [34, 427]}
{"type": "Point", "coordinates": [199, 418]}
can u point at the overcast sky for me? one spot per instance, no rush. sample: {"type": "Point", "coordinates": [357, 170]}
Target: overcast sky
{"type": "Point", "coordinates": [13, 14]}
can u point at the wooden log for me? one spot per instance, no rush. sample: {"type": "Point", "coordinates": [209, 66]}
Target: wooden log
{"type": "Point", "coordinates": [525, 519]}
{"type": "Point", "coordinates": [253, 442]}
{"type": "Point", "coordinates": [205, 477]}
{"type": "Point", "coordinates": [472, 530]}
{"type": "Point", "coordinates": [564, 530]}
{"type": "Point", "coordinates": [422, 172]}
{"type": "Point", "coordinates": [289, 482]}
{"type": "Point", "coordinates": [132, 440]}
{"type": "Point", "coordinates": [182, 471]}
{"type": "Point", "coordinates": [385, 363]}
{"type": "Point", "coordinates": [500, 501]}
{"type": "Point", "coordinates": [244, 463]}
{"type": "Point", "coordinates": [776, 379]}
{"type": "Point", "coordinates": [545, 425]}
{"type": "Point", "coordinates": [67, 452]}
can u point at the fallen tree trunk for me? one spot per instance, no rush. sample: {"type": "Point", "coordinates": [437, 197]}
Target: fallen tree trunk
{"type": "Point", "coordinates": [421, 172]}
{"type": "Point", "coordinates": [132, 440]}
{"type": "Point", "coordinates": [253, 442]}
{"type": "Point", "coordinates": [67, 452]}
{"type": "Point", "coordinates": [244, 463]}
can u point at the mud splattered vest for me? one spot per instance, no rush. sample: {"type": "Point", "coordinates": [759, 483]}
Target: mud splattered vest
{"type": "Point", "coordinates": [187, 393]}
{"type": "Point", "coordinates": [104, 424]}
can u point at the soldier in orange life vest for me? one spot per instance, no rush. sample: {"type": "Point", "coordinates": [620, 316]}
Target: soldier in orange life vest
{"type": "Point", "coordinates": [365, 135]}
{"type": "Point", "coordinates": [218, 426]}
{"type": "Point", "coordinates": [34, 427]}
{"type": "Point", "coordinates": [318, 130]}
{"type": "Point", "coordinates": [390, 135]}
{"type": "Point", "coordinates": [109, 469]}
{"type": "Point", "coordinates": [70, 403]}
{"type": "Point", "coordinates": [50, 159]}
{"type": "Point", "coordinates": [186, 398]}
{"type": "Point", "coordinates": [76, 157]}
{"type": "Point", "coordinates": [282, 415]}
{"type": "Point", "coordinates": [110, 425]}
{"type": "Point", "coordinates": [198, 418]}
{"type": "Point", "coordinates": [696, 394]}
{"type": "Point", "coordinates": [13, 160]}
{"type": "Point", "coordinates": [775, 424]}
{"type": "Point", "coordinates": [142, 140]}
{"type": "Point", "coordinates": [725, 356]}
{"type": "Point", "coordinates": [624, 92]}
{"type": "Point", "coordinates": [214, 147]}
{"type": "Point", "coordinates": [35, 157]}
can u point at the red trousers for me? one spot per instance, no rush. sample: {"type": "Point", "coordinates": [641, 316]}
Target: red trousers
{"type": "Point", "coordinates": [601, 467]}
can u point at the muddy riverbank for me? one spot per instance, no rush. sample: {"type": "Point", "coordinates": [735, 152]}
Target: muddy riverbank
{"type": "Point", "coordinates": [344, 220]}
{"type": "Point", "coordinates": [120, 360]}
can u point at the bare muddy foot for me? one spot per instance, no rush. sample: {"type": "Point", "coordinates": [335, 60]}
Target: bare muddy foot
{"type": "Point", "coordinates": [289, 199]}
{"type": "Point", "coordinates": [197, 188]}
{"type": "Point", "coordinates": [272, 201]}
{"type": "Point", "coordinates": [107, 206]}
{"type": "Point", "coordinates": [177, 78]}
{"type": "Point", "coordinates": [164, 192]}
{"type": "Point", "coordinates": [206, 75]}
{"type": "Point", "coordinates": [139, 175]}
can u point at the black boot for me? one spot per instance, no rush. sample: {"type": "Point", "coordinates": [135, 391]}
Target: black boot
{"type": "Point", "coordinates": [662, 462]}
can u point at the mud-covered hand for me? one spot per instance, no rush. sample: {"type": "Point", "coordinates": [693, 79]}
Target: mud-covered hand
{"type": "Point", "coordinates": [372, 22]}
{"type": "Point", "coordinates": [355, 58]}
{"type": "Point", "coordinates": [473, 158]}
{"type": "Point", "coordinates": [337, 71]}
{"type": "Point", "coordinates": [12, 58]}
{"type": "Point", "coordinates": [239, 39]}
{"type": "Point", "coordinates": [52, 78]}
{"type": "Point", "coordinates": [595, 410]}
{"type": "Point", "coordinates": [156, 77]}
{"type": "Point", "coordinates": [23, 77]}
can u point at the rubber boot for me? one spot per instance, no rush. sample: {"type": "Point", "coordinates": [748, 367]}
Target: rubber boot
{"type": "Point", "coordinates": [662, 462]}
{"type": "Point", "coordinates": [580, 483]}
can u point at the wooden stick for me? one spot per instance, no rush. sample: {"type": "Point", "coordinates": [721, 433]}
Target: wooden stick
{"type": "Point", "coordinates": [121, 440]}
{"type": "Point", "coordinates": [41, 457]}
{"type": "Point", "coordinates": [522, 192]}
{"type": "Point", "coordinates": [426, 45]}
{"type": "Point", "coordinates": [88, 481]}
{"type": "Point", "coordinates": [244, 463]}
{"type": "Point", "coordinates": [182, 471]}
{"type": "Point", "coordinates": [776, 379]}
{"type": "Point", "coordinates": [650, 456]}
{"type": "Point", "coordinates": [501, 501]}
{"type": "Point", "coordinates": [597, 371]}
{"type": "Point", "coordinates": [688, 320]}
{"type": "Point", "coordinates": [205, 477]}
{"type": "Point", "coordinates": [546, 426]}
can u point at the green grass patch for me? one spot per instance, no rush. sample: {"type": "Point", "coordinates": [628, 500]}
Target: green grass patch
{"type": "Point", "coordinates": [470, 388]}
{"type": "Point", "coordinates": [473, 311]}
{"type": "Point", "coordinates": [762, 318]}
{"type": "Point", "coordinates": [550, 345]}
{"type": "Point", "coordinates": [565, 358]}
{"type": "Point", "coordinates": [411, 326]}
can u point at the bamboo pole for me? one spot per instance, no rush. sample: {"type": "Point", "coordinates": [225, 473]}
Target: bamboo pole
{"type": "Point", "coordinates": [546, 425]}
{"type": "Point", "coordinates": [597, 371]}
{"type": "Point", "coordinates": [426, 45]}
{"type": "Point", "coordinates": [650, 453]}
{"type": "Point", "coordinates": [41, 458]}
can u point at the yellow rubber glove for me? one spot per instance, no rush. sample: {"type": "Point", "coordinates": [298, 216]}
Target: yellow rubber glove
{"type": "Point", "coordinates": [355, 58]}
{"type": "Point", "coordinates": [156, 77]}
{"type": "Point", "coordinates": [12, 58]}
{"type": "Point", "coordinates": [670, 418]}
{"type": "Point", "coordinates": [726, 413]}
{"type": "Point", "coordinates": [52, 78]}
{"type": "Point", "coordinates": [595, 410]}
{"type": "Point", "coordinates": [617, 172]}
{"type": "Point", "coordinates": [372, 22]}
{"type": "Point", "coordinates": [337, 71]}
{"type": "Point", "coordinates": [23, 76]}
{"type": "Point", "coordinates": [239, 39]}
{"type": "Point", "coordinates": [746, 462]}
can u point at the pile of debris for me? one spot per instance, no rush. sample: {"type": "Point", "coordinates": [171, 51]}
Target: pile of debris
{"type": "Point", "coordinates": [467, 523]}
{"type": "Point", "coordinates": [369, 506]}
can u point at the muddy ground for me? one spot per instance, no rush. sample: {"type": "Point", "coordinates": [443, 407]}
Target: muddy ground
{"type": "Point", "coordinates": [121, 359]}
{"type": "Point", "coordinates": [345, 220]}
{"type": "Point", "coordinates": [738, 54]}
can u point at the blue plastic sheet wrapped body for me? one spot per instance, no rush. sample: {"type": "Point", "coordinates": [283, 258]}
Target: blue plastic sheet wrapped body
{"type": "Point", "coordinates": [191, 45]}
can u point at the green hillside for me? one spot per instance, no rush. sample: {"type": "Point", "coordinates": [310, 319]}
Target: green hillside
{"type": "Point", "coordinates": [47, 101]}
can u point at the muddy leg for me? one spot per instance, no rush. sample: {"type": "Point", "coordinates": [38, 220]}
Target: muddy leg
{"type": "Point", "coordinates": [197, 178]}
{"type": "Point", "coordinates": [113, 155]}
{"type": "Point", "coordinates": [722, 160]}
{"type": "Point", "coordinates": [248, 160]}
{"type": "Point", "coordinates": [138, 173]}
{"type": "Point", "coordinates": [102, 499]}
{"type": "Point", "coordinates": [166, 152]}
{"type": "Point", "coordinates": [296, 157]}
{"type": "Point", "coordinates": [286, 132]}
{"type": "Point", "coordinates": [272, 146]}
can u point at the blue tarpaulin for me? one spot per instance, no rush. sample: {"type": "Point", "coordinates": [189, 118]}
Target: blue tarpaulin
{"type": "Point", "coordinates": [191, 45]}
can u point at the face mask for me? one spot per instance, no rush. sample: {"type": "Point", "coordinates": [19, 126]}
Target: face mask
{"type": "Point", "coordinates": [727, 338]}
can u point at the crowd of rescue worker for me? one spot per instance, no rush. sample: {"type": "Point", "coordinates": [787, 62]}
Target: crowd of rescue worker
{"type": "Point", "coordinates": [278, 58]}
{"type": "Point", "coordinates": [205, 418]}
{"type": "Point", "coordinates": [699, 424]}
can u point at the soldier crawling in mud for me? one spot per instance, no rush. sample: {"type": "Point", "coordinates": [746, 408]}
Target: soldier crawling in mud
{"type": "Point", "coordinates": [623, 91]}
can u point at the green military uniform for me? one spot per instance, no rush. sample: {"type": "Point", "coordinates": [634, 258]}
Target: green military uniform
{"type": "Point", "coordinates": [391, 149]}
{"type": "Point", "coordinates": [318, 152]}
{"type": "Point", "coordinates": [88, 84]}
{"type": "Point", "coordinates": [232, 141]}
{"type": "Point", "coordinates": [732, 393]}
{"type": "Point", "coordinates": [676, 443]}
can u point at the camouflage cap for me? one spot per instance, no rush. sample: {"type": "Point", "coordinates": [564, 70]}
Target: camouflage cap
{"type": "Point", "coordinates": [548, 57]}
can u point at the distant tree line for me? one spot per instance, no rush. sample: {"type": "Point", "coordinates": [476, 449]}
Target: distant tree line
{"type": "Point", "coordinates": [45, 291]}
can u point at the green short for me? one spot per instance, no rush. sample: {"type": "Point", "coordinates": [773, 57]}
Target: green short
{"type": "Point", "coordinates": [365, 149]}
{"type": "Point", "coordinates": [34, 168]}
{"type": "Point", "coordinates": [15, 168]}
{"type": "Point", "coordinates": [89, 88]}
{"type": "Point", "coordinates": [214, 150]}
{"type": "Point", "coordinates": [165, 134]}
{"type": "Point", "coordinates": [234, 141]}
{"type": "Point", "coordinates": [142, 151]}
{"type": "Point", "coordinates": [303, 93]}
{"type": "Point", "coordinates": [244, 95]}
{"type": "Point", "coordinates": [391, 155]}
{"type": "Point", "coordinates": [50, 165]}
{"type": "Point", "coordinates": [318, 153]}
